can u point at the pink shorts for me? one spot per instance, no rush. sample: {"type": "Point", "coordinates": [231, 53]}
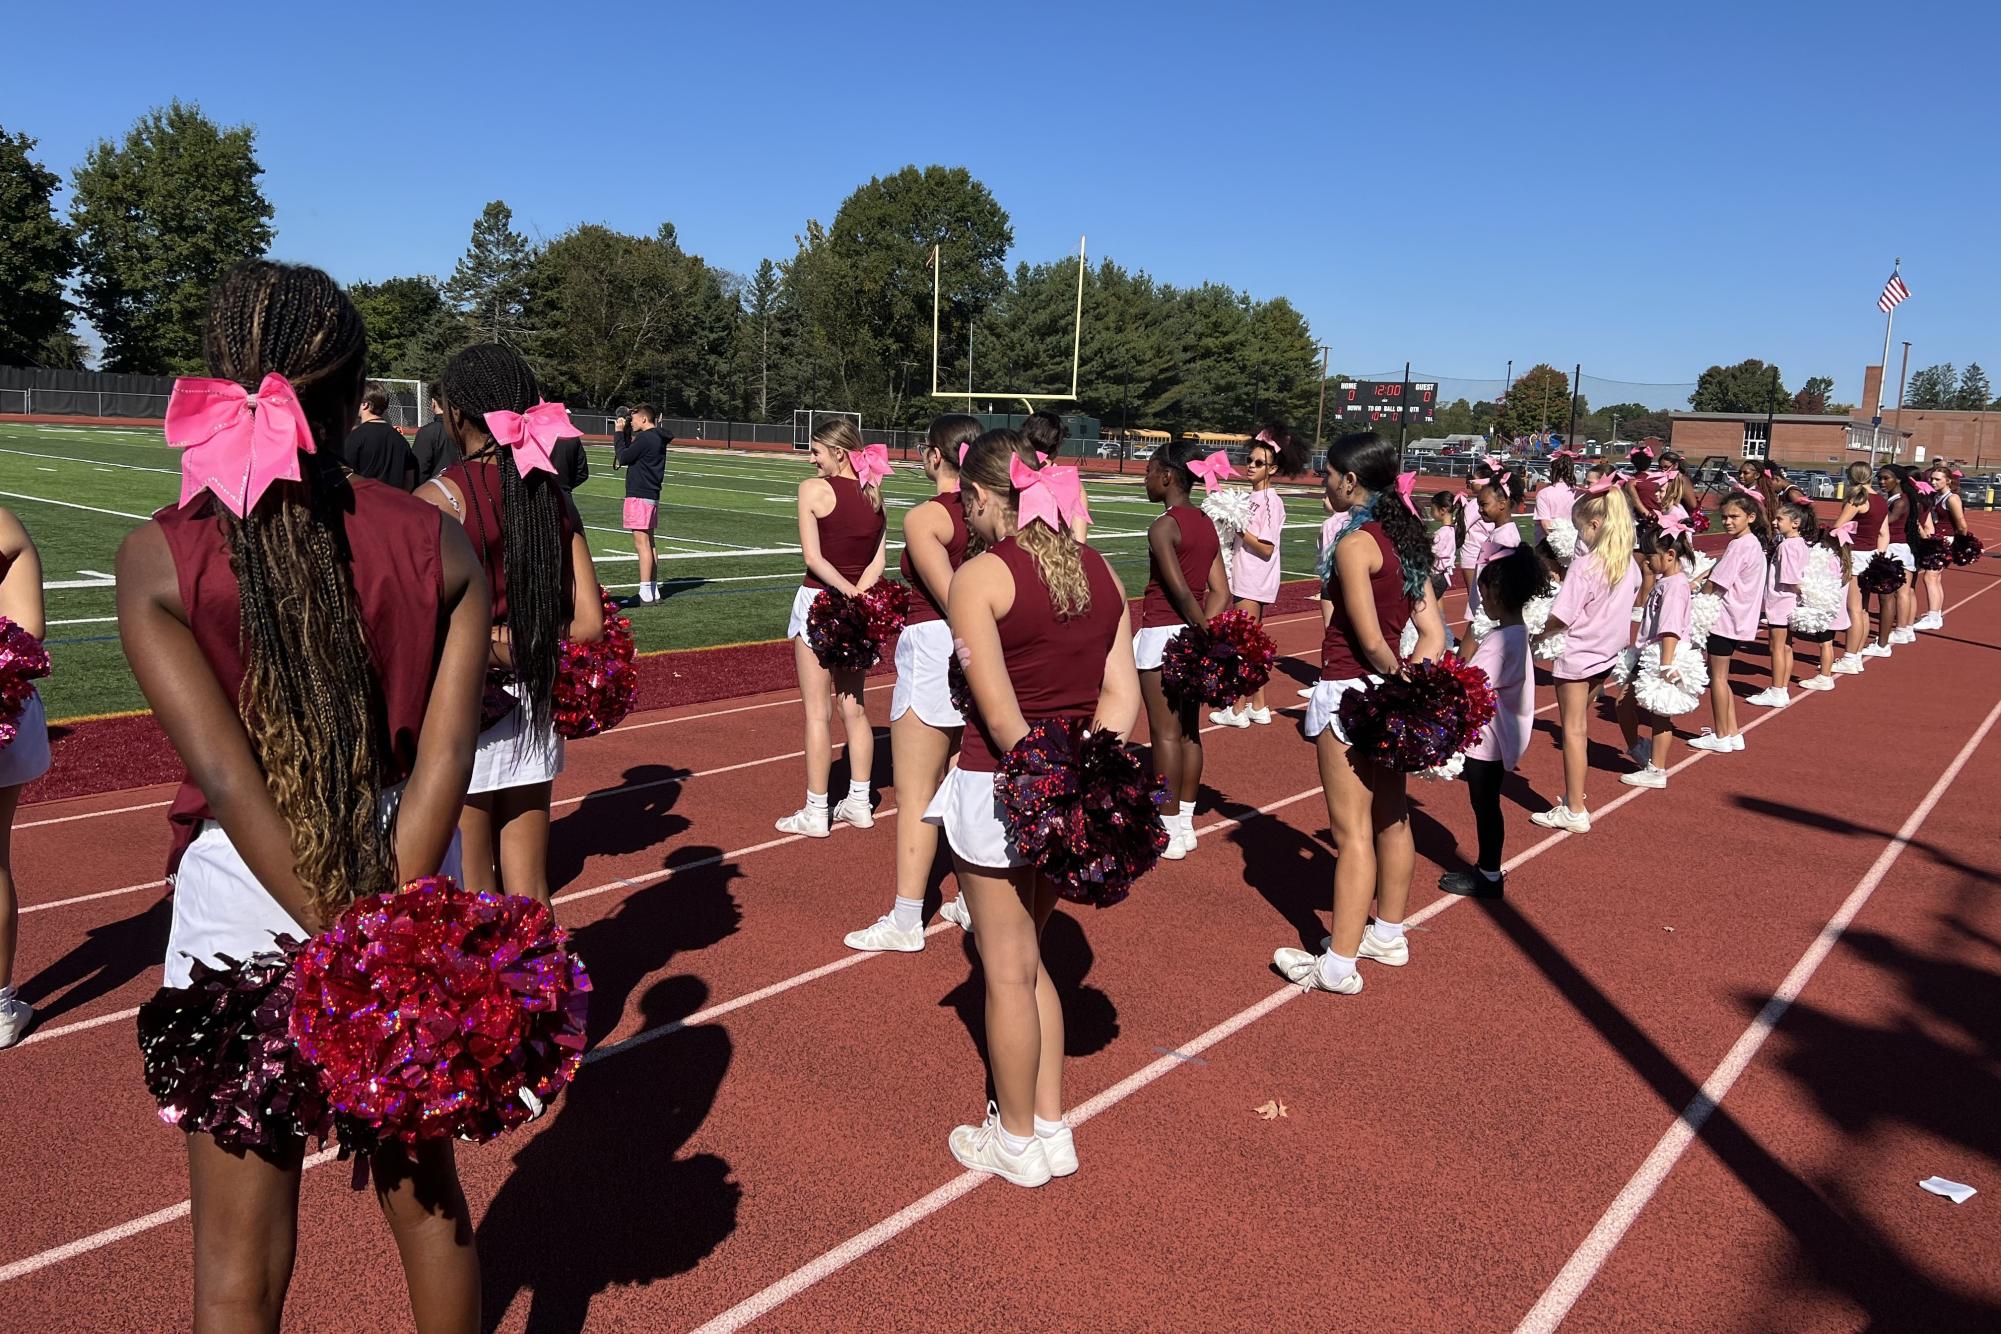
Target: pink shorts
{"type": "Point", "coordinates": [639, 514]}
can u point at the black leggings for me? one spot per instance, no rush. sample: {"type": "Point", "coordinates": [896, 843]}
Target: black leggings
{"type": "Point", "coordinates": [1483, 782]}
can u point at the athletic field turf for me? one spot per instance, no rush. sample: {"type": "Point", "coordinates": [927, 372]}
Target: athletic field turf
{"type": "Point", "coordinates": [728, 541]}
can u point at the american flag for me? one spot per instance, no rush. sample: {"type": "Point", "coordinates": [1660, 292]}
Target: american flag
{"type": "Point", "coordinates": [1894, 292]}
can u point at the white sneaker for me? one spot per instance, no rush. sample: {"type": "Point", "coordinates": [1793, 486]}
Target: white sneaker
{"type": "Point", "coordinates": [1714, 744]}
{"type": "Point", "coordinates": [1230, 718]}
{"type": "Point", "coordinates": [1642, 752]}
{"type": "Point", "coordinates": [855, 811]}
{"type": "Point", "coordinates": [1562, 817]}
{"type": "Point", "coordinates": [1772, 698]}
{"type": "Point", "coordinates": [980, 1149]}
{"type": "Point", "coordinates": [1903, 634]}
{"type": "Point", "coordinates": [1060, 1152]}
{"type": "Point", "coordinates": [1262, 717]}
{"type": "Point", "coordinates": [1395, 953]}
{"type": "Point", "coordinates": [884, 935]}
{"type": "Point", "coordinates": [1303, 969]}
{"type": "Point", "coordinates": [1176, 849]}
{"type": "Point", "coordinates": [1879, 650]}
{"type": "Point", "coordinates": [957, 913]}
{"type": "Point", "coordinates": [647, 596]}
{"type": "Point", "coordinates": [1848, 664]}
{"type": "Point", "coordinates": [803, 822]}
{"type": "Point", "coordinates": [1647, 777]}
{"type": "Point", "coordinates": [1822, 682]}
{"type": "Point", "coordinates": [16, 1017]}
{"type": "Point", "coordinates": [1931, 620]}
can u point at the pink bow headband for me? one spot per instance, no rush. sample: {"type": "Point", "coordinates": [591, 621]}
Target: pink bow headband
{"type": "Point", "coordinates": [234, 446]}
{"type": "Point", "coordinates": [871, 463]}
{"type": "Point", "coordinates": [1673, 524]}
{"type": "Point", "coordinates": [1264, 438]}
{"type": "Point", "coordinates": [1406, 482]}
{"type": "Point", "coordinates": [1645, 451]}
{"type": "Point", "coordinates": [532, 434]}
{"type": "Point", "coordinates": [1213, 469]}
{"type": "Point", "coordinates": [1739, 489]}
{"type": "Point", "coordinates": [1048, 495]}
{"type": "Point", "coordinates": [1844, 533]}
{"type": "Point", "coordinates": [1611, 481]}
{"type": "Point", "coordinates": [1563, 454]}
{"type": "Point", "coordinates": [1924, 488]}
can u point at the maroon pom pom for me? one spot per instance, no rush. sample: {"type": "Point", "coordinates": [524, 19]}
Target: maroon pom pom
{"type": "Point", "coordinates": [1083, 808]}
{"type": "Point", "coordinates": [436, 1012]}
{"type": "Point", "coordinates": [888, 604]}
{"type": "Point", "coordinates": [1881, 576]}
{"type": "Point", "coordinates": [23, 661]}
{"type": "Point", "coordinates": [1419, 719]}
{"type": "Point", "coordinates": [596, 684]}
{"type": "Point", "coordinates": [1966, 549]}
{"type": "Point", "coordinates": [1699, 520]}
{"type": "Point", "coordinates": [958, 687]}
{"type": "Point", "coordinates": [838, 632]}
{"type": "Point", "coordinates": [1931, 553]}
{"type": "Point", "coordinates": [1227, 660]}
{"type": "Point", "coordinates": [494, 701]}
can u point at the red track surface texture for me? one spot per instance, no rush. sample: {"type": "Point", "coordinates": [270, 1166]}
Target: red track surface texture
{"type": "Point", "coordinates": [1792, 953]}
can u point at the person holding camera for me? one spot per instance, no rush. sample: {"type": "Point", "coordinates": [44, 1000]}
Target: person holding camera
{"type": "Point", "coordinates": [644, 458]}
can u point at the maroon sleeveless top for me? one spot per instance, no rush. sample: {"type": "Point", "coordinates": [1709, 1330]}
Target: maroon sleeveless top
{"type": "Point", "coordinates": [1195, 556]}
{"type": "Point", "coordinates": [393, 537]}
{"type": "Point", "coordinates": [1340, 660]}
{"type": "Point", "coordinates": [1869, 521]}
{"type": "Point", "coordinates": [850, 534]}
{"type": "Point", "coordinates": [1057, 667]}
{"type": "Point", "coordinates": [484, 521]}
{"type": "Point", "coordinates": [1648, 490]}
{"type": "Point", "coordinates": [925, 607]}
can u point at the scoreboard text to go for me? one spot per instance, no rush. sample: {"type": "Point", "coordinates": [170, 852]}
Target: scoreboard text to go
{"type": "Point", "coordinates": [1387, 399]}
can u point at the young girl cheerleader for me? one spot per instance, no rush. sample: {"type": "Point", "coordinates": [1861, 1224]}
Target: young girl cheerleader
{"type": "Point", "coordinates": [1782, 589]}
{"type": "Point", "coordinates": [505, 493]}
{"type": "Point", "coordinates": [1738, 578]}
{"type": "Point", "coordinates": [1254, 572]}
{"type": "Point", "coordinates": [842, 533]}
{"type": "Point", "coordinates": [1644, 490]}
{"type": "Point", "coordinates": [1868, 512]}
{"type": "Point", "coordinates": [1378, 580]}
{"type": "Point", "coordinates": [924, 726]}
{"type": "Point", "coordinates": [1594, 612]}
{"type": "Point", "coordinates": [1474, 528]}
{"type": "Point", "coordinates": [1553, 502]}
{"type": "Point", "coordinates": [1664, 678]}
{"type": "Point", "coordinates": [314, 649]}
{"type": "Point", "coordinates": [1904, 525]}
{"type": "Point", "coordinates": [22, 760]}
{"type": "Point", "coordinates": [1821, 612]}
{"type": "Point", "coordinates": [1330, 530]}
{"type": "Point", "coordinates": [1445, 540]}
{"type": "Point", "coordinates": [1046, 633]}
{"type": "Point", "coordinates": [1944, 519]}
{"type": "Point", "coordinates": [1511, 579]}
{"type": "Point", "coordinates": [1185, 586]}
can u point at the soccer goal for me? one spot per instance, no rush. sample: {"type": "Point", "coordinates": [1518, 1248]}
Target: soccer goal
{"type": "Point", "coordinates": [409, 406]}
{"type": "Point", "coordinates": [807, 420]}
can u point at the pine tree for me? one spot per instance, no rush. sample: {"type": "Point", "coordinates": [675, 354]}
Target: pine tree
{"type": "Point", "coordinates": [37, 253]}
{"type": "Point", "coordinates": [491, 283]}
{"type": "Point", "coordinates": [1933, 387]}
{"type": "Point", "coordinates": [1974, 392]}
{"type": "Point", "coordinates": [760, 312]}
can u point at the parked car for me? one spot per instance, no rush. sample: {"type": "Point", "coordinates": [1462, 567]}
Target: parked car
{"type": "Point", "coordinates": [1819, 485]}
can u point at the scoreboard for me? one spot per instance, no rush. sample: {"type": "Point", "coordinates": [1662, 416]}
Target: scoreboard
{"type": "Point", "coordinates": [1385, 400]}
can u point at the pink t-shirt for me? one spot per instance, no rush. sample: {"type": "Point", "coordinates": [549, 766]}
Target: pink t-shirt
{"type": "Point", "coordinates": [1504, 656]}
{"type": "Point", "coordinates": [1254, 578]}
{"type": "Point", "coordinates": [1553, 501]}
{"type": "Point", "coordinates": [1782, 580]}
{"type": "Point", "coordinates": [1442, 543]}
{"type": "Point", "coordinates": [1478, 530]}
{"type": "Point", "coordinates": [1597, 617]}
{"type": "Point", "coordinates": [1667, 611]}
{"type": "Point", "coordinates": [1739, 577]}
{"type": "Point", "coordinates": [1330, 527]}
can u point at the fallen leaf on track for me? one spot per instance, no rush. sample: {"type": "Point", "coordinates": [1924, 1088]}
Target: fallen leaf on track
{"type": "Point", "coordinates": [1272, 1110]}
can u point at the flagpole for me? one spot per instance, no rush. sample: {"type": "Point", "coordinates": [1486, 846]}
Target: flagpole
{"type": "Point", "coordinates": [1889, 318]}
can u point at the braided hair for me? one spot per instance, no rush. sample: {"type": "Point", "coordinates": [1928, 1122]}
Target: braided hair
{"type": "Point", "coordinates": [311, 698]}
{"type": "Point", "coordinates": [488, 377]}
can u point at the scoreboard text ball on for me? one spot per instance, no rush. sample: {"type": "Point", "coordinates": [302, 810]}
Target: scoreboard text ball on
{"type": "Point", "coordinates": [1383, 400]}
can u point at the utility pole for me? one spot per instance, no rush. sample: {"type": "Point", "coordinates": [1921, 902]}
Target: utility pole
{"type": "Point", "coordinates": [1771, 408]}
{"type": "Point", "coordinates": [1576, 385]}
{"type": "Point", "coordinates": [1897, 422]}
{"type": "Point", "coordinates": [1403, 414]}
{"type": "Point", "coordinates": [1321, 419]}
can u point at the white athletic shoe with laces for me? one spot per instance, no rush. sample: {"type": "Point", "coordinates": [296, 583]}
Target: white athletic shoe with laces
{"type": "Point", "coordinates": [1562, 817]}
{"type": "Point", "coordinates": [1648, 777]}
{"type": "Point", "coordinates": [1394, 953]}
{"type": "Point", "coordinates": [1713, 743]}
{"type": "Point", "coordinates": [1230, 718]}
{"type": "Point", "coordinates": [1302, 968]}
{"type": "Point", "coordinates": [1262, 717]}
{"type": "Point", "coordinates": [855, 811]}
{"type": "Point", "coordinates": [1770, 698]}
{"type": "Point", "coordinates": [1903, 634]}
{"type": "Point", "coordinates": [16, 1017]}
{"type": "Point", "coordinates": [808, 823]}
{"type": "Point", "coordinates": [1819, 682]}
{"type": "Point", "coordinates": [980, 1149]}
{"type": "Point", "coordinates": [1879, 650]}
{"type": "Point", "coordinates": [1848, 664]}
{"type": "Point", "coordinates": [1060, 1152]}
{"type": "Point", "coordinates": [957, 913]}
{"type": "Point", "coordinates": [884, 935]}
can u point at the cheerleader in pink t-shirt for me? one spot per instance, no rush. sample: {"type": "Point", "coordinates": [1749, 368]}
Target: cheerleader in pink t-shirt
{"type": "Point", "coordinates": [1738, 579]}
{"type": "Point", "coordinates": [1782, 596]}
{"type": "Point", "coordinates": [1664, 676]}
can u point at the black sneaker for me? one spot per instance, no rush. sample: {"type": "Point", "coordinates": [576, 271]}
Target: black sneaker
{"type": "Point", "coordinates": [1471, 884]}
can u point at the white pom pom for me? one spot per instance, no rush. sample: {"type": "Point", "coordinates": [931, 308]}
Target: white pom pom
{"type": "Point", "coordinates": [1822, 593]}
{"type": "Point", "coordinates": [1407, 641]}
{"type": "Point", "coordinates": [1674, 694]}
{"type": "Point", "coordinates": [1703, 611]}
{"type": "Point", "coordinates": [1446, 772]}
{"type": "Point", "coordinates": [1622, 666]}
{"type": "Point", "coordinates": [1561, 534]}
{"type": "Point", "coordinates": [1481, 625]}
{"type": "Point", "coordinates": [1230, 511]}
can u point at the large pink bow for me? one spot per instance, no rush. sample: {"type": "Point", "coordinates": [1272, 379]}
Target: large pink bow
{"type": "Point", "coordinates": [236, 446]}
{"type": "Point", "coordinates": [870, 462]}
{"type": "Point", "coordinates": [1213, 470]}
{"type": "Point", "coordinates": [1611, 481]}
{"type": "Point", "coordinates": [1645, 451]}
{"type": "Point", "coordinates": [1051, 494]}
{"type": "Point", "coordinates": [1924, 488]}
{"type": "Point", "coordinates": [1495, 462]}
{"type": "Point", "coordinates": [1843, 533]}
{"type": "Point", "coordinates": [1664, 475]}
{"type": "Point", "coordinates": [1674, 523]}
{"type": "Point", "coordinates": [532, 434]}
{"type": "Point", "coordinates": [1406, 482]}
{"type": "Point", "coordinates": [1264, 438]}
{"type": "Point", "coordinates": [1739, 489]}
{"type": "Point", "coordinates": [1564, 454]}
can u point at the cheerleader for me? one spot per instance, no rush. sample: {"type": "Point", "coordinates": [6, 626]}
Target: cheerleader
{"type": "Point", "coordinates": [1553, 502]}
{"type": "Point", "coordinates": [1511, 579]}
{"type": "Point", "coordinates": [1644, 490]}
{"type": "Point", "coordinates": [22, 760]}
{"type": "Point", "coordinates": [1045, 431]}
{"type": "Point", "coordinates": [1185, 586]}
{"type": "Point", "coordinates": [1757, 477]}
{"type": "Point", "coordinates": [1330, 529]}
{"type": "Point", "coordinates": [1662, 679]}
{"type": "Point", "coordinates": [924, 726]}
{"type": "Point", "coordinates": [1738, 579]}
{"type": "Point", "coordinates": [1378, 580]}
{"type": "Point", "coordinates": [1864, 514]}
{"type": "Point", "coordinates": [1254, 567]}
{"type": "Point", "coordinates": [1782, 589]}
{"type": "Point", "coordinates": [1446, 536]}
{"type": "Point", "coordinates": [1941, 495]}
{"type": "Point", "coordinates": [841, 532]}
{"type": "Point", "coordinates": [1594, 612]}
{"type": "Point", "coordinates": [1474, 528]}
{"type": "Point", "coordinates": [1904, 526]}
{"type": "Point", "coordinates": [314, 651]}
{"type": "Point", "coordinates": [505, 492]}
{"type": "Point", "coordinates": [1046, 633]}
{"type": "Point", "coordinates": [1822, 612]}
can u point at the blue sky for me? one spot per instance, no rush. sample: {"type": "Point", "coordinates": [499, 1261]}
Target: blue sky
{"type": "Point", "coordinates": [1646, 189]}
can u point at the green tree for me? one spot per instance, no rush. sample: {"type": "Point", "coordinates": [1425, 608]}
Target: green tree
{"type": "Point", "coordinates": [1933, 387]}
{"type": "Point", "coordinates": [1974, 392]}
{"type": "Point", "coordinates": [1813, 395]}
{"type": "Point", "coordinates": [37, 254]}
{"type": "Point", "coordinates": [760, 339]}
{"type": "Point", "coordinates": [491, 285]}
{"type": "Point", "coordinates": [397, 311]}
{"type": "Point", "coordinates": [160, 217]}
{"type": "Point", "coordinates": [1539, 399]}
{"type": "Point", "coordinates": [1748, 386]}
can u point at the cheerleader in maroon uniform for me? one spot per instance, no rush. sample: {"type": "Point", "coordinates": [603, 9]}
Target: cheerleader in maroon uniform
{"type": "Point", "coordinates": [313, 646]}
{"type": "Point", "coordinates": [1868, 511]}
{"type": "Point", "coordinates": [507, 496]}
{"type": "Point", "coordinates": [924, 724]}
{"type": "Point", "coordinates": [23, 759]}
{"type": "Point", "coordinates": [1045, 631]}
{"type": "Point", "coordinates": [841, 532]}
{"type": "Point", "coordinates": [1185, 585]}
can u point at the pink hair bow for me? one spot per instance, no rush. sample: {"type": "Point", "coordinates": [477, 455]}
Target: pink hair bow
{"type": "Point", "coordinates": [235, 445]}
{"type": "Point", "coordinates": [1501, 478]}
{"type": "Point", "coordinates": [1563, 454]}
{"type": "Point", "coordinates": [965, 448]}
{"type": "Point", "coordinates": [1955, 473]}
{"type": "Point", "coordinates": [1924, 488]}
{"type": "Point", "coordinates": [1674, 523]}
{"type": "Point", "coordinates": [1050, 494]}
{"type": "Point", "coordinates": [1645, 451]}
{"type": "Point", "coordinates": [1739, 489]}
{"type": "Point", "coordinates": [871, 463]}
{"type": "Point", "coordinates": [532, 434]}
{"type": "Point", "coordinates": [1495, 462]}
{"type": "Point", "coordinates": [1843, 533]}
{"type": "Point", "coordinates": [1264, 438]}
{"type": "Point", "coordinates": [1664, 474]}
{"type": "Point", "coordinates": [1213, 470]}
{"type": "Point", "coordinates": [1611, 481]}
{"type": "Point", "coordinates": [1406, 482]}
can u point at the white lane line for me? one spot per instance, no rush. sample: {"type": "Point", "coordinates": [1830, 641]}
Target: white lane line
{"type": "Point", "coordinates": [71, 505]}
{"type": "Point", "coordinates": [1590, 1256]}
{"type": "Point", "coordinates": [91, 815]}
{"type": "Point", "coordinates": [86, 898]}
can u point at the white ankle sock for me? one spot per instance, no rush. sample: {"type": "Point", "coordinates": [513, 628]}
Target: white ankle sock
{"type": "Point", "coordinates": [1014, 1143]}
{"type": "Point", "coordinates": [1387, 932]}
{"type": "Point", "coordinates": [859, 791]}
{"type": "Point", "coordinates": [816, 803]}
{"type": "Point", "coordinates": [1335, 967]}
{"type": "Point", "coordinates": [1493, 877]}
{"type": "Point", "coordinates": [1044, 1129]}
{"type": "Point", "coordinates": [908, 914]}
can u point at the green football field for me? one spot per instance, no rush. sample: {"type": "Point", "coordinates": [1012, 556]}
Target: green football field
{"type": "Point", "coordinates": [728, 540]}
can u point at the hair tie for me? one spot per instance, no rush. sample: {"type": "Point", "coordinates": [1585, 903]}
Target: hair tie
{"type": "Point", "coordinates": [870, 462]}
{"type": "Point", "coordinates": [235, 446]}
{"type": "Point", "coordinates": [1049, 495]}
{"type": "Point", "coordinates": [1406, 482]}
{"type": "Point", "coordinates": [531, 434]}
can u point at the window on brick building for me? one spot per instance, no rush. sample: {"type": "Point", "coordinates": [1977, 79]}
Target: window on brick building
{"type": "Point", "coordinates": [1757, 444]}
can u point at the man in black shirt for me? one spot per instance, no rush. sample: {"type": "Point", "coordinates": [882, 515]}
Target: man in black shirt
{"type": "Point", "coordinates": [375, 448]}
{"type": "Point", "coordinates": [435, 448]}
{"type": "Point", "coordinates": [572, 468]}
{"type": "Point", "coordinates": [644, 457]}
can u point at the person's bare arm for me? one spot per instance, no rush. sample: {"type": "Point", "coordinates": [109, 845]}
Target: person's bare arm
{"type": "Point", "coordinates": [1118, 696]}
{"type": "Point", "coordinates": [1430, 628]}
{"type": "Point", "coordinates": [1216, 600]}
{"type": "Point", "coordinates": [873, 573]}
{"type": "Point", "coordinates": [982, 593]}
{"type": "Point", "coordinates": [926, 529]}
{"type": "Point", "coordinates": [437, 786]}
{"type": "Point", "coordinates": [587, 608]}
{"type": "Point", "coordinates": [21, 583]}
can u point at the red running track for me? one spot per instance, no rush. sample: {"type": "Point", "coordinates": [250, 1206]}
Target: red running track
{"type": "Point", "coordinates": [760, 1132]}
